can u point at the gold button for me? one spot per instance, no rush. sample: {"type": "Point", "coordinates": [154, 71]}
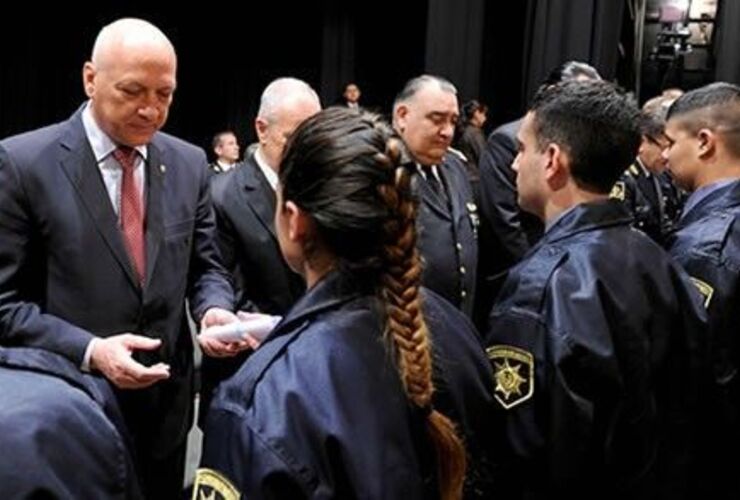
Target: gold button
{"type": "Point", "coordinates": [463, 294]}
{"type": "Point", "coordinates": [458, 246]}
{"type": "Point", "coordinates": [462, 269]}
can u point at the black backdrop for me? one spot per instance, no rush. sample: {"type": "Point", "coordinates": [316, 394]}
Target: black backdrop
{"type": "Point", "coordinates": [224, 60]}
{"type": "Point", "coordinates": [488, 48]}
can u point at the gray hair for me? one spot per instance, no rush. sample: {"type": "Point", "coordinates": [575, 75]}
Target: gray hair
{"type": "Point", "coordinates": [283, 91]}
{"type": "Point", "coordinates": [416, 84]}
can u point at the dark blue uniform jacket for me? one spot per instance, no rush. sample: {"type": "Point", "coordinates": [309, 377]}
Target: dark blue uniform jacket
{"type": "Point", "coordinates": [448, 234]}
{"type": "Point", "coordinates": [319, 411]}
{"type": "Point", "coordinates": [61, 433]}
{"type": "Point", "coordinates": [707, 244]}
{"type": "Point", "coordinates": [596, 344]}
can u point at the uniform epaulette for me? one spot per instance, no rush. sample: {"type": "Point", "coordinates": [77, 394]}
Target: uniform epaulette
{"type": "Point", "coordinates": [633, 170]}
{"type": "Point", "coordinates": [458, 153]}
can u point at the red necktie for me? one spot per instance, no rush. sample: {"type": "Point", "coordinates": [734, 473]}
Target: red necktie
{"type": "Point", "coordinates": [132, 211]}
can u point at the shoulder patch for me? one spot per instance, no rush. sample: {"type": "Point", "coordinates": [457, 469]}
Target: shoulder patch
{"type": "Point", "coordinates": [617, 192]}
{"type": "Point", "coordinates": [513, 374]}
{"type": "Point", "coordinates": [212, 485]}
{"type": "Point", "coordinates": [705, 289]}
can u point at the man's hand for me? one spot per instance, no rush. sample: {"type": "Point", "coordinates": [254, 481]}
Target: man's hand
{"type": "Point", "coordinates": [112, 357]}
{"type": "Point", "coordinates": [218, 348]}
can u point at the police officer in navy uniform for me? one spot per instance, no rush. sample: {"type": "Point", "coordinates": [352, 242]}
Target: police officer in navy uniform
{"type": "Point", "coordinates": [646, 187]}
{"type": "Point", "coordinates": [507, 232]}
{"type": "Point", "coordinates": [424, 115]}
{"type": "Point", "coordinates": [595, 339]}
{"type": "Point", "coordinates": [62, 433]}
{"type": "Point", "coordinates": [357, 393]}
{"type": "Point", "coordinates": [704, 158]}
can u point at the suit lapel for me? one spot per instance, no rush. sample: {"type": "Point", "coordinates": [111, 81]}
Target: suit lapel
{"type": "Point", "coordinates": [155, 172]}
{"type": "Point", "coordinates": [79, 164]}
{"type": "Point", "coordinates": [259, 195]}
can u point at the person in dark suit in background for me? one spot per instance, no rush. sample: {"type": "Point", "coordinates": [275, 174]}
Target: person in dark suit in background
{"type": "Point", "coordinates": [646, 188]}
{"type": "Point", "coordinates": [244, 202]}
{"type": "Point", "coordinates": [63, 434]}
{"type": "Point", "coordinates": [469, 138]}
{"type": "Point", "coordinates": [106, 227]}
{"type": "Point", "coordinates": [424, 115]}
{"type": "Point", "coordinates": [507, 232]}
{"type": "Point", "coordinates": [351, 95]}
{"type": "Point", "coordinates": [226, 148]}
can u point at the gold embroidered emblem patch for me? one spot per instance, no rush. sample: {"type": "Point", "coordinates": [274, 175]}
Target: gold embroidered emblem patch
{"type": "Point", "coordinates": [705, 289]}
{"type": "Point", "coordinates": [211, 485]}
{"type": "Point", "coordinates": [513, 373]}
{"type": "Point", "coordinates": [617, 192]}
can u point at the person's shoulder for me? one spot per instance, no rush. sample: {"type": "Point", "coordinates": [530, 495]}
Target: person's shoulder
{"type": "Point", "coordinates": [25, 147]}
{"type": "Point", "coordinates": [455, 153]}
{"type": "Point", "coordinates": [224, 181]}
{"type": "Point", "coordinates": [506, 131]}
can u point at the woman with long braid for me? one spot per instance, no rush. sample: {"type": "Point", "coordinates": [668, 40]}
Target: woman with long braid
{"type": "Point", "coordinates": [370, 387]}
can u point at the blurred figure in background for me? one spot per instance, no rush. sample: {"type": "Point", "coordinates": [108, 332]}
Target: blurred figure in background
{"type": "Point", "coordinates": [351, 96]}
{"type": "Point", "coordinates": [226, 148]}
{"type": "Point", "coordinates": [646, 188]}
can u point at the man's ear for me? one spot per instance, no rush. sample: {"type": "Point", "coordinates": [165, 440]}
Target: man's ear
{"type": "Point", "coordinates": [400, 116]}
{"type": "Point", "coordinates": [707, 142]}
{"type": "Point", "coordinates": [88, 78]}
{"type": "Point", "coordinates": [557, 169]}
{"type": "Point", "coordinates": [260, 126]}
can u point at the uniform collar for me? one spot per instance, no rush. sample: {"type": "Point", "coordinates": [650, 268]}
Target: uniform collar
{"type": "Point", "coordinates": [587, 217]}
{"type": "Point", "coordinates": [333, 289]}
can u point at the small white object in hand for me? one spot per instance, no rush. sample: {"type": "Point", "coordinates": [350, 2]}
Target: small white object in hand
{"type": "Point", "coordinates": [257, 327]}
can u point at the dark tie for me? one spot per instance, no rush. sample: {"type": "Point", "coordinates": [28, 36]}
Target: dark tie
{"type": "Point", "coordinates": [132, 212]}
{"type": "Point", "coordinates": [435, 183]}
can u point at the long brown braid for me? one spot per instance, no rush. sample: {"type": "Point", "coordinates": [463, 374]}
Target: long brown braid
{"type": "Point", "coordinates": [405, 325]}
{"type": "Point", "coordinates": [341, 167]}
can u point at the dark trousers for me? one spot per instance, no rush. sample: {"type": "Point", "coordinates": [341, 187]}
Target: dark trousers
{"type": "Point", "coordinates": [162, 477]}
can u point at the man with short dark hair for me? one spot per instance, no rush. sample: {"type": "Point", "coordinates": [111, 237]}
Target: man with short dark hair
{"type": "Point", "coordinates": [703, 130]}
{"type": "Point", "coordinates": [226, 148]}
{"type": "Point", "coordinates": [594, 339]}
{"type": "Point", "coordinates": [351, 95]}
{"type": "Point", "coordinates": [507, 232]}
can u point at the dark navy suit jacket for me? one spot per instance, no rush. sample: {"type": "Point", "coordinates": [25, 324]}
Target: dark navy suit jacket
{"type": "Point", "coordinates": [65, 275]}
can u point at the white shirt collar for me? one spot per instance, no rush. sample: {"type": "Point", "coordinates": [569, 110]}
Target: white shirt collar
{"type": "Point", "coordinates": [225, 166]}
{"type": "Point", "coordinates": [270, 174]}
{"type": "Point", "coordinates": [101, 144]}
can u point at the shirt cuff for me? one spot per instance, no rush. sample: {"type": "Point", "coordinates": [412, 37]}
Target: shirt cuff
{"type": "Point", "coordinates": [85, 366]}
